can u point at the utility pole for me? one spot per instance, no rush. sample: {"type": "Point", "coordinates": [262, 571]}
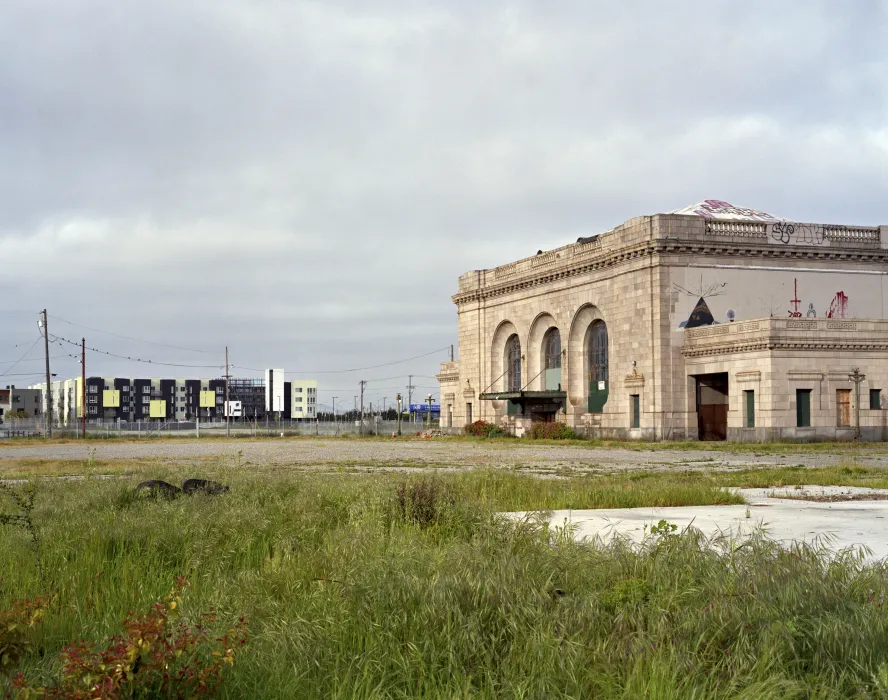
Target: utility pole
{"type": "Point", "coordinates": [47, 409]}
{"type": "Point", "coordinates": [363, 383]}
{"type": "Point", "coordinates": [227, 410]}
{"type": "Point", "coordinates": [451, 352]}
{"type": "Point", "coordinates": [410, 389]}
{"type": "Point", "coordinates": [334, 413]}
{"type": "Point", "coordinates": [857, 378]}
{"type": "Point", "coordinates": [83, 387]}
{"type": "Point", "coordinates": [399, 414]}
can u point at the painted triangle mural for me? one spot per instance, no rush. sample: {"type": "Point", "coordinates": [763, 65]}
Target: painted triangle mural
{"type": "Point", "coordinates": [700, 316]}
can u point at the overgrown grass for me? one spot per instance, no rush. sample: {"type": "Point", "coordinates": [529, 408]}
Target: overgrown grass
{"type": "Point", "coordinates": [347, 595]}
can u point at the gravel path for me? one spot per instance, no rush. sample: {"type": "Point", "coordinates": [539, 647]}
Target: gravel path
{"type": "Point", "coordinates": [319, 453]}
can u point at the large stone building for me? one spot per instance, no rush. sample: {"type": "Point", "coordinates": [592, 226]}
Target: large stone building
{"type": "Point", "coordinates": [710, 322]}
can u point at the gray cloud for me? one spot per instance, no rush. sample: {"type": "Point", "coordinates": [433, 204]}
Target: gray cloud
{"type": "Point", "coordinates": [304, 181]}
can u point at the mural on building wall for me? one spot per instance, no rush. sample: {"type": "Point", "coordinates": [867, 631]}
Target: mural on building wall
{"type": "Point", "coordinates": [701, 315]}
{"type": "Point", "coordinates": [731, 295]}
{"type": "Point", "coordinates": [718, 209]}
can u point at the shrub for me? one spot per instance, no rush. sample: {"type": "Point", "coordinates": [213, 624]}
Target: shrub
{"type": "Point", "coordinates": [481, 428]}
{"type": "Point", "coordinates": [15, 626]}
{"type": "Point", "coordinates": [551, 431]}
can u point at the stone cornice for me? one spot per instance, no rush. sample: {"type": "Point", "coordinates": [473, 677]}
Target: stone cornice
{"type": "Point", "coordinates": [447, 378]}
{"type": "Point", "coordinates": [759, 344]}
{"type": "Point", "coordinates": [666, 248]}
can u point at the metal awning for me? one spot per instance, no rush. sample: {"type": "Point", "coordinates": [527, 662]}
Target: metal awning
{"type": "Point", "coordinates": [522, 396]}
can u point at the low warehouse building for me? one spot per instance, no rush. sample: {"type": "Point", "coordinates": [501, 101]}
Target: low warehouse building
{"type": "Point", "coordinates": [711, 322]}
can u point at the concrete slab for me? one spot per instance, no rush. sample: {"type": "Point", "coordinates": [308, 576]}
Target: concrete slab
{"type": "Point", "coordinates": [862, 523]}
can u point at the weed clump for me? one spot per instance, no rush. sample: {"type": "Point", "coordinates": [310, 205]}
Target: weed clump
{"type": "Point", "coordinates": [423, 502]}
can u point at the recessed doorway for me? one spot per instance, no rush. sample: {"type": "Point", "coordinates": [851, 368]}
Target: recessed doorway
{"type": "Point", "coordinates": [712, 406]}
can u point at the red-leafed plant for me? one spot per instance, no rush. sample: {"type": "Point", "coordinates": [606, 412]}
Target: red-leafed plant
{"type": "Point", "coordinates": [16, 624]}
{"type": "Point", "coordinates": [481, 428]}
{"type": "Point", "coordinates": [156, 656]}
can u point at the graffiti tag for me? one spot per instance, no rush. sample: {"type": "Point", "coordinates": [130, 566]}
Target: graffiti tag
{"type": "Point", "coordinates": [804, 234]}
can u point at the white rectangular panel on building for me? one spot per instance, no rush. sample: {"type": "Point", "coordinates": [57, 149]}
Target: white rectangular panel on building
{"type": "Point", "coordinates": [274, 390]}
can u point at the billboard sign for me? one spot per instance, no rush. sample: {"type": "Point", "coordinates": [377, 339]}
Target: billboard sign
{"type": "Point", "coordinates": [424, 408]}
{"type": "Point", "coordinates": [234, 409]}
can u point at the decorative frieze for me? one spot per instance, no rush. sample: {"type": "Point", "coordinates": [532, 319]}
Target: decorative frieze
{"type": "Point", "coordinates": [634, 380]}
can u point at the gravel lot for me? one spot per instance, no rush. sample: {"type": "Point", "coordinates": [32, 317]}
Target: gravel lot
{"type": "Point", "coordinates": [413, 453]}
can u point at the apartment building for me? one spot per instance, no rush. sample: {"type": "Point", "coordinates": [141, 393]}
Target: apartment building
{"type": "Point", "coordinates": [303, 395]}
{"type": "Point", "coordinates": [26, 401]}
{"type": "Point", "coordinates": [113, 399]}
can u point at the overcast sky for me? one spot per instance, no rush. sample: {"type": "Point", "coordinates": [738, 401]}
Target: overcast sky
{"type": "Point", "coordinates": [305, 181]}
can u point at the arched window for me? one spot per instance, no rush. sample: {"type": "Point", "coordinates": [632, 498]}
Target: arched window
{"type": "Point", "coordinates": [552, 360]}
{"type": "Point", "coordinates": [597, 363]}
{"type": "Point", "coordinates": [513, 364]}
{"type": "Point", "coordinates": [596, 352]}
{"type": "Point", "coordinates": [552, 349]}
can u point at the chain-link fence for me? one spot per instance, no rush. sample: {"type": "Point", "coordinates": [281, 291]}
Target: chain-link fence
{"type": "Point", "coordinates": [371, 426]}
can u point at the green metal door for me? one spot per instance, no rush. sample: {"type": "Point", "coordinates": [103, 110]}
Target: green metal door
{"type": "Point", "coordinates": [598, 392]}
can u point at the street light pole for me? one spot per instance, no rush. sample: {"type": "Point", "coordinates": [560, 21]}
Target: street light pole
{"type": "Point", "coordinates": [430, 411]}
{"type": "Point", "coordinates": [857, 378]}
{"type": "Point", "coordinates": [399, 414]}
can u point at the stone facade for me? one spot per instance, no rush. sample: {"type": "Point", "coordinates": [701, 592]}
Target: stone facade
{"type": "Point", "coordinates": [770, 306]}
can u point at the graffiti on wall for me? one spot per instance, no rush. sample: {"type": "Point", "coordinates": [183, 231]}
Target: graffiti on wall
{"type": "Point", "coordinates": [839, 306]}
{"type": "Point", "coordinates": [743, 294]}
{"type": "Point", "coordinates": [801, 234]}
{"type": "Point", "coordinates": [795, 301]}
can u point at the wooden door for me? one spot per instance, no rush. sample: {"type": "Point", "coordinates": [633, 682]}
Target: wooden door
{"type": "Point", "coordinates": [843, 408]}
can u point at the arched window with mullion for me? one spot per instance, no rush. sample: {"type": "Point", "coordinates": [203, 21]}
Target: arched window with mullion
{"type": "Point", "coordinates": [513, 364]}
{"type": "Point", "coordinates": [597, 359]}
{"type": "Point", "coordinates": [552, 360]}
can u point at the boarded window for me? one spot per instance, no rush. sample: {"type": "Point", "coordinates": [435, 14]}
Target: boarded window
{"type": "Point", "coordinates": [843, 408]}
{"type": "Point", "coordinates": [749, 398]}
{"type": "Point", "coordinates": [468, 413]}
{"type": "Point", "coordinates": [635, 404]}
{"type": "Point", "coordinates": [803, 408]}
{"type": "Point", "coordinates": [875, 399]}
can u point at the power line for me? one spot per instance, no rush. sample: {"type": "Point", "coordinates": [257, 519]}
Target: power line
{"type": "Point", "coordinates": [138, 340]}
{"type": "Point", "coordinates": [356, 369]}
{"type": "Point", "coordinates": [36, 359]}
{"type": "Point", "coordinates": [137, 359]}
{"type": "Point", "coordinates": [21, 358]}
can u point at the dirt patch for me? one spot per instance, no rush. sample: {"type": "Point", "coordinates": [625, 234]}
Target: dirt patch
{"type": "Point", "coordinates": [836, 497]}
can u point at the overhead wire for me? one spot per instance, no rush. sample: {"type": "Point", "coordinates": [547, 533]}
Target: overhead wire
{"type": "Point", "coordinates": [136, 359]}
{"type": "Point", "coordinates": [356, 369]}
{"type": "Point", "coordinates": [3, 374]}
{"type": "Point", "coordinates": [137, 340]}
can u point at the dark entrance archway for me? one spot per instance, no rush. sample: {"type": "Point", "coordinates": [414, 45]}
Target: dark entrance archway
{"type": "Point", "coordinates": [712, 406]}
